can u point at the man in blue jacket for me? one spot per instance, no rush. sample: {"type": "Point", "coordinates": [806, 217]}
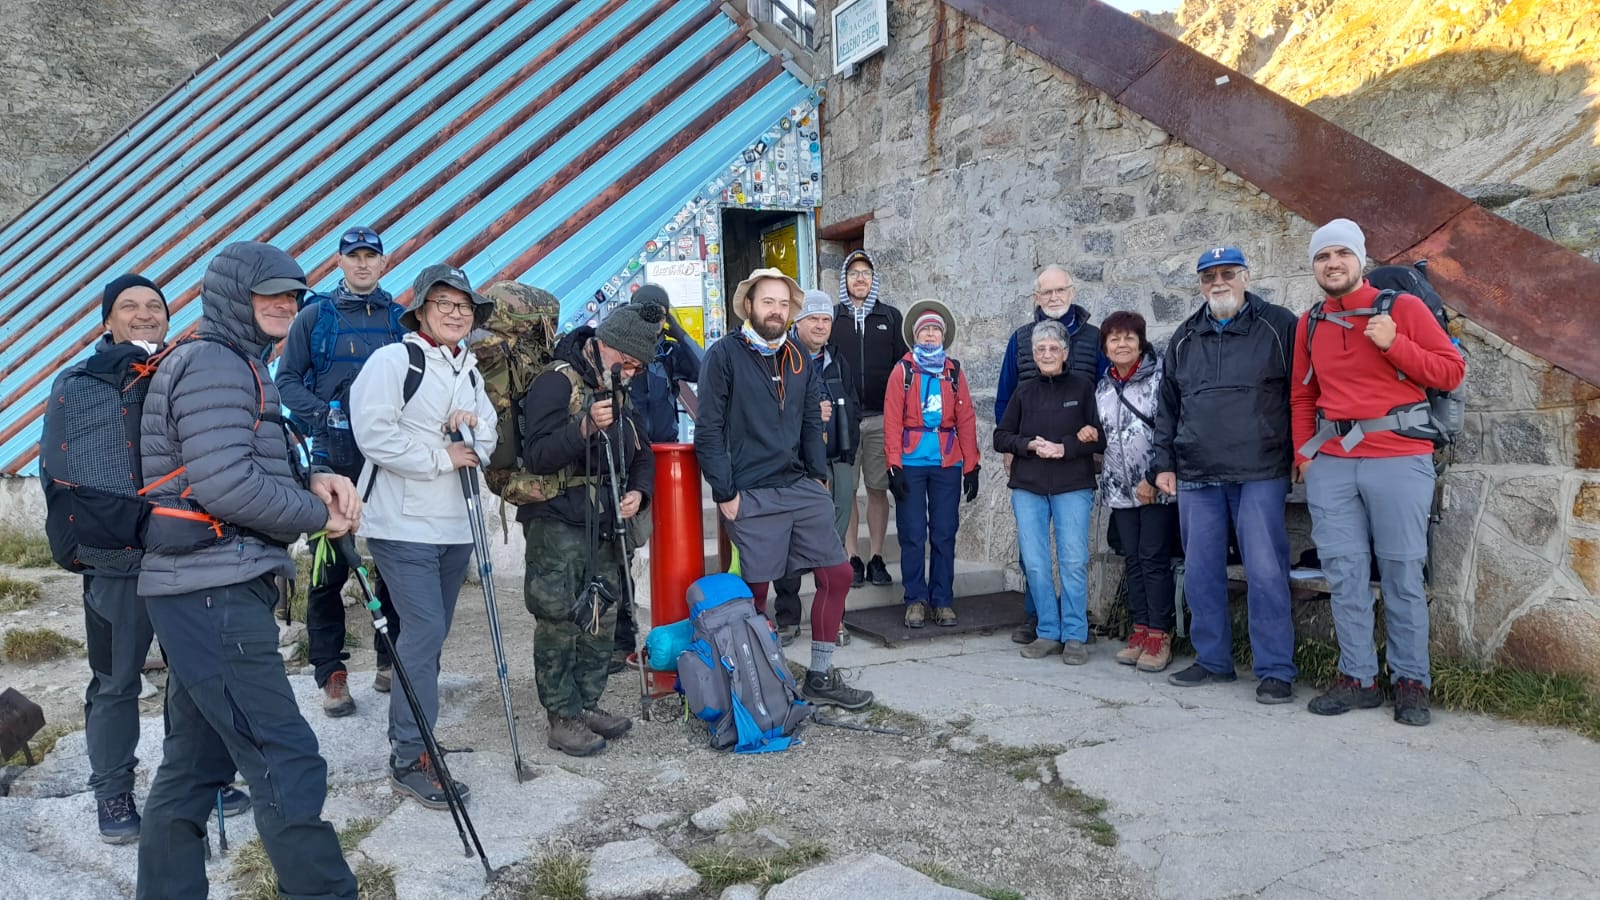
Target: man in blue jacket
{"type": "Point", "coordinates": [1223, 446]}
{"type": "Point", "coordinates": [330, 340]}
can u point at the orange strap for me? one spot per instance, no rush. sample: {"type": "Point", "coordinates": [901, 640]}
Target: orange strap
{"type": "Point", "coordinates": [214, 523]}
{"type": "Point", "coordinates": [162, 480]}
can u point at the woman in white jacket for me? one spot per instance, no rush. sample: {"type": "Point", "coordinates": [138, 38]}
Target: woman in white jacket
{"type": "Point", "coordinates": [415, 518]}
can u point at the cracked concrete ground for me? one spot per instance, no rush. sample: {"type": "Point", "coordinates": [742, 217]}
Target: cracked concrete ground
{"type": "Point", "coordinates": [1220, 797]}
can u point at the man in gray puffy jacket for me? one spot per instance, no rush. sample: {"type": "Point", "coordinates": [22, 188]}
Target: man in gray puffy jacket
{"type": "Point", "coordinates": [227, 505]}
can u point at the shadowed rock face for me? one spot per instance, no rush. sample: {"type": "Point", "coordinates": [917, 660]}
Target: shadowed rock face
{"type": "Point", "coordinates": [74, 74]}
{"type": "Point", "coordinates": [1433, 85]}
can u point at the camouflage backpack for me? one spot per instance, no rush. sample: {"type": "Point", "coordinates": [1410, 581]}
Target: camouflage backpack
{"type": "Point", "coordinates": [513, 348]}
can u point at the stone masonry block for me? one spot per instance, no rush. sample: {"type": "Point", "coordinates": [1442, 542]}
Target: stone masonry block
{"type": "Point", "coordinates": [1456, 533]}
{"type": "Point", "coordinates": [1526, 507]}
{"type": "Point", "coordinates": [1586, 503]}
{"type": "Point", "coordinates": [1508, 577]}
{"type": "Point", "coordinates": [1584, 561]}
{"type": "Point", "coordinates": [1559, 637]}
{"type": "Point", "coordinates": [1527, 438]}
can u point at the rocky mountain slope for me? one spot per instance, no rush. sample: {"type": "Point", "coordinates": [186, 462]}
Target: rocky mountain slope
{"type": "Point", "coordinates": [1470, 91]}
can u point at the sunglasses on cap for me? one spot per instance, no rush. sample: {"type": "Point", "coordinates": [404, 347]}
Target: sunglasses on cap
{"type": "Point", "coordinates": [360, 235]}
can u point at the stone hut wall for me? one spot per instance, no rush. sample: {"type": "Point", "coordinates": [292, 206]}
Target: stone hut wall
{"type": "Point", "coordinates": [978, 163]}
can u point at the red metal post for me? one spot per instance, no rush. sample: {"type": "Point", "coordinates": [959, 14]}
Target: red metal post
{"type": "Point", "coordinates": [677, 540]}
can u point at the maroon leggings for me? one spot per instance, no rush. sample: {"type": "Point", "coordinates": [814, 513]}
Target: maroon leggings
{"type": "Point", "coordinates": [827, 607]}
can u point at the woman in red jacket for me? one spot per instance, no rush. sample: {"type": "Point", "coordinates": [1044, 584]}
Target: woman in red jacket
{"type": "Point", "coordinates": [930, 438]}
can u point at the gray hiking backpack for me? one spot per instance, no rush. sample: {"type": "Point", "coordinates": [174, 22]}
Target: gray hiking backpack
{"type": "Point", "coordinates": [733, 675]}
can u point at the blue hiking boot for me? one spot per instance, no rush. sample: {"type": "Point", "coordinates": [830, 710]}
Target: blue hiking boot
{"type": "Point", "coordinates": [119, 819]}
{"type": "Point", "coordinates": [234, 801]}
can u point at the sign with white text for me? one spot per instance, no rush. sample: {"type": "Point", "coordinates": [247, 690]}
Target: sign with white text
{"type": "Point", "coordinates": [860, 29]}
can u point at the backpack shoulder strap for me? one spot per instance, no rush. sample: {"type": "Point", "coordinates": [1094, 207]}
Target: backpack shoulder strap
{"type": "Point", "coordinates": [905, 366]}
{"type": "Point", "coordinates": [1384, 302]}
{"type": "Point", "coordinates": [416, 364]}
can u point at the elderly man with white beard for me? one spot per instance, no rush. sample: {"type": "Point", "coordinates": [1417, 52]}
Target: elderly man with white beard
{"type": "Point", "coordinates": [1223, 445]}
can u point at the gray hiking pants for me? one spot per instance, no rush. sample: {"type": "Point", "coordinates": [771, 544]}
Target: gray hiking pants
{"type": "Point", "coordinates": [1362, 505]}
{"type": "Point", "coordinates": [424, 580]}
{"type": "Point", "coordinates": [118, 633]}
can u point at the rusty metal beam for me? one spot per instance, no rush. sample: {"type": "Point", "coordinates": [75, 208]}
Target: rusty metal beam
{"type": "Point", "coordinates": [1522, 287]}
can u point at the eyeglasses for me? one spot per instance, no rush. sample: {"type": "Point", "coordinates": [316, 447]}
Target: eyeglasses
{"type": "Point", "coordinates": [463, 307]}
{"type": "Point", "coordinates": [1056, 292]}
{"type": "Point", "coordinates": [1048, 349]}
{"type": "Point", "coordinates": [1219, 274]}
{"type": "Point", "coordinates": [860, 274]}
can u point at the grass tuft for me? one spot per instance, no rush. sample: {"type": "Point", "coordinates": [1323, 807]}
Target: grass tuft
{"type": "Point", "coordinates": [24, 549]}
{"type": "Point", "coordinates": [31, 645]}
{"type": "Point", "coordinates": [559, 876]}
{"type": "Point", "coordinates": [960, 882]}
{"type": "Point", "coordinates": [719, 869]}
{"type": "Point", "coordinates": [751, 819]}
{"type": "Point", "coordinates": [375, 882]}
{"type": "Point", "coordinates": [887, 717]}
{"type": "Point", "coordinates": [17, 593]}
{"type": "Point", "coordinates": [41, 745]}
{"type": "Point", "coordinates": [355, 831]}
{"type": "Point", "coordinates": [253, 877]}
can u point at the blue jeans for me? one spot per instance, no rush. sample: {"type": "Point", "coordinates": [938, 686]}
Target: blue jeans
{"type": "Point", "coordinates": [928, 517]}
{"type": "Point", "coordinates": [1256, 510]}
{"type": "Point", "coordinates": [1063, 616]}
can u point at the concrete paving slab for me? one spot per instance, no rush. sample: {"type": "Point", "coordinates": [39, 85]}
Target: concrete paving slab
{"type": "Point", "coordinates": [864, 875]}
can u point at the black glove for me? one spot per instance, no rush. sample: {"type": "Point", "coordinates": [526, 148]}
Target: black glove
{"type": "Point", "coordinates": [898, 485]}
{"type": "Point", "coordinates": [969, 483]}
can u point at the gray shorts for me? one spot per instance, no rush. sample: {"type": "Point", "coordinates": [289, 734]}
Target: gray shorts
{"type": "Point", "coordinates": [785, 529]}
{"type": "Point", "coordinates": [870, 458]}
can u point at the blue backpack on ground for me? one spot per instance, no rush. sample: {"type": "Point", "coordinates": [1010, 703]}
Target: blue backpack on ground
{"type": "Point", "coordinates": [733, 675]}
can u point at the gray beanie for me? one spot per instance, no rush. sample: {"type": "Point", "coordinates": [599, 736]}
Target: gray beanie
{"type": "Point", "coordinates": [817, 303]}
{"type": "Point", "coordinates": [1339, 233]}
{"type": "Point", "coordinates": [634, 330]}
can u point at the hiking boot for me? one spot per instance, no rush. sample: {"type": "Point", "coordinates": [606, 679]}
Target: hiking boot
{"type": "Point", "coordinates": [119, 819]}
{"type": "Point", "coordinates": [944, 616]}
{"type": "Point", "coordinates": [1411, 702]}
{"type": "Point", "coordinates": [1041, 648]}
{"type": "Point", "coordinates": [916, 614]}
{"type": "Point", "coordinates": [1273, 691]}
{"type": "Point", "coordinates": [878, 573]}
{"type": "Point", "coordinates": [1130, 654]}
{"type": "Point", "coordinates": [1345, 695]}
{"type": "Point", "coordinates": [1074, 653]}
{"type": "Point", "coordinates": [421, 781]}
{"type": "Point", "coordinates": [234, 801]}
{"type": "Point", "coordinates": [1196, 675]}
{"type": "Point", "coordinates": [787, 634]}
{"type": "Point", "coordinates": [571, 736]}
{"type": "Point", "coordinates": [1026, 633]}
{"type": "Point", "coordinates": [605, 724]}
{"type": "Point", "coordinates": [336, 700]}
{"type": "Point", "coordinates": [617, 663]}
{"type": "Point", "coordinates": [844, 636]}
{"type": "Point", "coordinates": [858, 572]}
{"type": "Point", "coordinates": [1157, 651]}
{"type": "Point", "coordinates": [830, 688]}
{"type": "Point", "coordinates": [382, 681]}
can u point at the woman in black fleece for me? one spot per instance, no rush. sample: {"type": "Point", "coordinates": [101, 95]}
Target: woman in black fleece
{"type": "Point", "coordinates": [1052, 427]}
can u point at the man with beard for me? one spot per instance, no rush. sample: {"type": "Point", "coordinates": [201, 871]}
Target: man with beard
{"type": "Point", "coordinates": [329, 342]}
{"type": "Point", "coordinates": [1368, 482]}
{"type": "Point", "coordinates": [1222, 446]}
{"type": "Point", "coordinates": [1053, 296]}
{"type": "Point", "coordinates": [759, 439]}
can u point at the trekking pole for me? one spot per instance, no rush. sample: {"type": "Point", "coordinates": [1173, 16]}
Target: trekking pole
{"type": "Point", "coordinates": [614, 470]}
{"type": "Point", "coordinates": [480, 547]}
{"type": "Point", "coordinates": [346, 547]}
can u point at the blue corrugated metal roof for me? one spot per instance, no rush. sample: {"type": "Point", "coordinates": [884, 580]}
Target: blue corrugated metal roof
{"type": "Point", "coordinates": [541, 140]}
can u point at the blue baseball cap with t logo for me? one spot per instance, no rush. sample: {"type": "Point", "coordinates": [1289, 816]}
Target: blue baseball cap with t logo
{"type": "Point", "coordinates": [1221, 256]}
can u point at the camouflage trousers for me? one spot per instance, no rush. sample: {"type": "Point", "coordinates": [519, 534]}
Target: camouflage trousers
{"type": "Point", "coordinates": [569, 663]}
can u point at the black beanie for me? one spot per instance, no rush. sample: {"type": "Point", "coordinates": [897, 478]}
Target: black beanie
{"type": "Point", "coordinates": [121, 283]}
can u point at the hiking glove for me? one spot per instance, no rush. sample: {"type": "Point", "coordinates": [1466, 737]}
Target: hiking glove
{"type": "Point", "coordinates": [969, 483]}
{"type": "Point", "coordinates": [898, 485]}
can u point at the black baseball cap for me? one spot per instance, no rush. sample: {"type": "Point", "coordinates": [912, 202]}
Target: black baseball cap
{"type": "Point", "coordinates": [360, 238]}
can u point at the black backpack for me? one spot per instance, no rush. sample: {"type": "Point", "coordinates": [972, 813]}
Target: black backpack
{"type": "Point", "coordinates": [1445, 410]}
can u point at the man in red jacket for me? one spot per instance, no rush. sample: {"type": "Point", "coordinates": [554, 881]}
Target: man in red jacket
{"type": "Point", "coordinates": [1359, 382]}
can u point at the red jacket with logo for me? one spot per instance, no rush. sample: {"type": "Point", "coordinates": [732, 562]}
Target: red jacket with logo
{"type": "Point", "coordinates": [902, 421]}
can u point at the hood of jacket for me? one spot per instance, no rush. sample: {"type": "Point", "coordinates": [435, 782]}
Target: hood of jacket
{"type": "Point", "coordinates": [110, 360]}
{"type": "Point", "coordinates": [1073, 319]}
{"type": "Point", "coordinates": [228, 313]}
{"type": "Point", "coordinates": [570, 351]}
{"type": "Point", "coordinates": [844, 276]}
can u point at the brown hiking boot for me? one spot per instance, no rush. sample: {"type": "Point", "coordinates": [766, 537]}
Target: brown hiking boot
{"type": "Point", "coordinates": [571, 736]}
{"type": "Point", "coordinates": [944, 616]}
{"type": "Point", "coordinates": [1157, 651]}
{"type": "Point", "coordinates": [336, 700]}
{"type": "Point", "coordinates": [916, 615]}
{"type": "Point", "coordinates": [1130, 654]}
{"type": "Point", "coordinates": [605, 724]}
{"type": "Point", "coordinates": [1026, 633]}
{"type": "Point", "coordinates": [1041, 648]}
{"type": "Point", "coordinates": [382, 681]}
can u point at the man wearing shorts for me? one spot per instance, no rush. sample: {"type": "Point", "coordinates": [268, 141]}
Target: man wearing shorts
{"type": "Point", "coordinates": [759, 441]}
{"type": "Point", "coordinates": [867, 333]}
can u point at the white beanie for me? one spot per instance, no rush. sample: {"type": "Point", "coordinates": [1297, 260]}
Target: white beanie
{"type": "Point", "coordinates": [1339, 233]}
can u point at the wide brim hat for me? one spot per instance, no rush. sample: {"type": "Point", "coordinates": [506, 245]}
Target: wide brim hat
{"type": "Point", "coordinates": [741, 294]}
{"type": "Point", "coordinates": [909, 327]}
{"type": "Point", "coordinates": [449, 276]}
